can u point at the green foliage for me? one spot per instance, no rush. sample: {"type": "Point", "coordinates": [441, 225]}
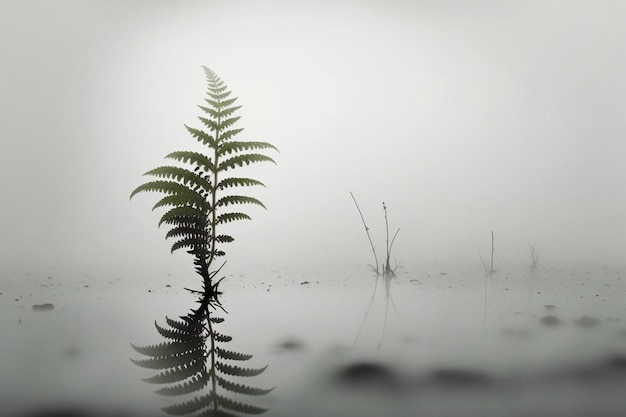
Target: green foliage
{"type": "Point", "coordinates": [191, 360]}
{"type": "Point", "coordinates": [197, 194]}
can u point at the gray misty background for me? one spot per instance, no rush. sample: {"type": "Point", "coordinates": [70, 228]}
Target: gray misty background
{"type": "Point", "coordinates": [463, 116]}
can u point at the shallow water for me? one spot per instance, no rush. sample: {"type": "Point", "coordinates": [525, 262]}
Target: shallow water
{"type": "Point", "coordinates": [446, 348]}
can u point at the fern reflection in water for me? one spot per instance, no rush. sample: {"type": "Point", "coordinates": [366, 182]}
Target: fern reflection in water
{"type": "Point", "coordinates": [199, 204]}
{"type": "Point", "coordinates": [191, 359]}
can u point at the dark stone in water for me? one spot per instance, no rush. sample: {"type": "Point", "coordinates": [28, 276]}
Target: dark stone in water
{"type": "Point", "coordinates": [617, 363]}
{"type": "Point", "coordinates": [587, 322]}
{"type": "Point", "coordinates": [606, 369]}
{"type": "Point", "coordinates": [304, 282]}
{"type": "Point", "coordinates": [43, 307]}
{"type": "Point", "coordinates": [71, 352]}
{"type": "Point", "coordinates": [550, 321]}
{"type": "Point", "coordinates": [61, 412]}
{"type": "Point", "coordinates": [291, 345]}
{"type": "Point", "coordinates": [367, 374]}
{"type": "Point", "coordinates": [460, 378]}
{"type": "Point", "coordinates": [70, 410]}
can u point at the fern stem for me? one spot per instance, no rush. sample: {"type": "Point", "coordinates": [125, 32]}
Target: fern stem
{"type": "Point", "coordinates": [212, 356]}
{"type": "Point", "coordinates": [215, 182]}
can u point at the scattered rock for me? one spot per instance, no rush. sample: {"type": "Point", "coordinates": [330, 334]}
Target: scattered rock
{"type": "Point", "coordinates": [304, 282]}
{"type": "Point", "coordinates": [367, 375]}
{"type": "Point", "coordinates": [43, 307]}
{"type": "Point", "coordinates": [290, 345]}
{"type": "Point", "coordinates": [65, 411]}
{"type": "Point", "coordinates": [550, 321]}
{"type": "Point", "coordinates": [549, 307]}
{"type": "Point", "coordinates": [616, 363]}
{"type": "Point", "coordinates": [587, 322]}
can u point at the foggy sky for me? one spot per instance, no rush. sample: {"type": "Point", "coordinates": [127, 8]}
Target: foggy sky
{"type": "Point", "coordinates": [463, 117]}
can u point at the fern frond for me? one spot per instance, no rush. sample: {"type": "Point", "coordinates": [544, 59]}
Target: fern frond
{"type": "Point", "coordinates": [225, 136]}
{"type": "Point", "coordinates": [231, 217]}
{"type": "Point", "coordinates": [228, 122]}
{"type": "Point", "coordinates": [176, 374]}
{"type": "Point", "coordinates": [195, 205]}
{"type": "Point", "coordinates": [234, 370]}
{"type": "Point", "coordinates": [221, 102]}
{"type": "Point", "coordinates": [241, 160]}
{"type": "Point", "coordinates": [202, 136]}
{"type": "Point", "coordinates": [186, 324]}
{"type": "Point", "coordinates": [180, 336]}
{"type": "Point", "coordinates": [235, 356]}
{"type": "Point", "coordinates": [222, 113]}
{"type": "Point", "coordinates": [230, 147]}
{"type": "Point", "coordinates": [187, 231]}
{"type": "Point", "coordinates": [222, 338]}
{"type": "Point", "coordinates": [210, 123]}
{"type": "Point", "coordinates": [195, 158]}
{"type": "Point", "coordinates": [195, 383]}
{"type": "Point", "coordinates": [239, 407]}
{"type": "Point", "coordinates": [218, 92]}
{"type": "Point", "coordinates": [164, 349]}
{"type": "Point", "coordinates": [190, 242]}
{"type": "Point", "coordinates": [242, 389]}
{"type": "Point", "coordinates": [182, 212]}
{"type": "Point", "coordinates": [189, 198]}
{"type": "Point", "coordinates": [224, 238]}
{"type": "Point", "coordinates": [237, 182]}
{"type": "Point", "coordinates": [165, 187]}
{"type": "Point", "coordinates": [183, 176]}
{"type": "Point", "coordinates": [217, 88]}
{"type": "Point", "coordinates": [191, 406]}
{"type": "Point", "coordinates": [170, 361]}
{"type": "Point", "coordinates": [238, 199]}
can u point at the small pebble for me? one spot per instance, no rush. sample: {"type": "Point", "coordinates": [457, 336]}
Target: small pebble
{"type": "Point", "coordinates": [43, 307]}
{"type": "Point", "coordinates": [550, 321]}
{"type": "Point", "coordinates": [587, 322]}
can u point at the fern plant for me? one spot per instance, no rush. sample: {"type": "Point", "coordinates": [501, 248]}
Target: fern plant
{"type": "Point", "coordinates": [197, 194]}
{"type": "Point", "coordinates": [199, 201]}
{"type": "Point", "coordinates": [191, 359]}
